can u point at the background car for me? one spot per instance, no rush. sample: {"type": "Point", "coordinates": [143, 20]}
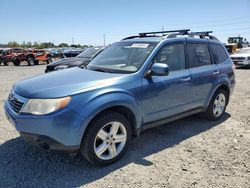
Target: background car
{"type": "Point", "coordinates": [241, 58]}
{"type": "Point", "coordinates": [83, 58]}
{"type": "Point", "coordinates": [73, 52]}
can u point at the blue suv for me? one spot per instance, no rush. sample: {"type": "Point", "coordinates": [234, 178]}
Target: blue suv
{"type": "Point", "coordinates": [140, 82]}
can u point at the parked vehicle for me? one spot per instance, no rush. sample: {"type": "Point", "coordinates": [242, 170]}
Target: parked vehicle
{"type": "Point", "coordinates": [73, 52]}
{"type": "Point", "coordinates": [16, 55]}
{"type": "Point", "coordinates": [135, 84]}
{"type": "Point", "coordinates": [41, 55]}
{"type": "Point", "coordinates": [241, 58]}
{"type": "Point", "coordinates": [231, 48]}
{"type": "Point", "coordinates": [82, 59]}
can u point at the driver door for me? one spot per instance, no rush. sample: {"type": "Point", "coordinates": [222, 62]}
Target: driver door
{"type": "Point", "coordinates": [166, 96]}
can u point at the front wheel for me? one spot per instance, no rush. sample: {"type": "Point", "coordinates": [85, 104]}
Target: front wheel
{"type": "Point", "coordinates": [217, 105]}
{"type": "Point", "coordinates": [107, 138]}
{"type": "Point", "coordinates": [31, 61]}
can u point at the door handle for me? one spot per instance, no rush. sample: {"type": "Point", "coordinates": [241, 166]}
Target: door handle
{"type": "Point", "coordinates": [216, 72]}
{"type": "Point", "coordinates": [185, 79]}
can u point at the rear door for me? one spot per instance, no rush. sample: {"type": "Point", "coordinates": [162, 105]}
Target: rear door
{"type": "Point", "coordinates": [204, 72]}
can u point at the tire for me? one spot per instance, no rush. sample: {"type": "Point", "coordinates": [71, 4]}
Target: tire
{"type": "Point", "coordinates": [216, 109]}
{"type": "Point", "coordinates": [102, 125]}
{"type": "Point", "coordinates": [31, 61]}
{"type": "Point", "coordinates": [6, 63]}
{"type": "Point", "coordinates": [49, 60]}
{"type": "Point", "coordinates": [16, 62]}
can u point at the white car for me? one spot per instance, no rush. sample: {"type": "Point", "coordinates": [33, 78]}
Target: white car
{"type": "Point", "coordinates": [242, 57]}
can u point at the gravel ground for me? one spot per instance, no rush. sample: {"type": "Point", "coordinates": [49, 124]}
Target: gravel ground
{"type": "Point", "coordinates": [191, 152]}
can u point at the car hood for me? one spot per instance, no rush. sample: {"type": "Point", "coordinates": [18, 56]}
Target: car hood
{"type": "Point", "coordinates": [240, 55]}
{"type": "Point", "coordinates": [64, 83]}
{"type": "Point", "coordinates": [70, 61]}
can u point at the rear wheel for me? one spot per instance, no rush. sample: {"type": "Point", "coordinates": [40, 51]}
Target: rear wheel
{"type": "Point", "coordinates": [217, 105]}
{"type": "Point", "coordinates": [107, 139]}
{"type": "Point", "coordinates": [31, 61]}
{"type": "Point", "coordinates": [16, 62]}
{"type": "Point", "coordinates": [49, 60]}
{"type": "Point", "coordinates": [6, 63]}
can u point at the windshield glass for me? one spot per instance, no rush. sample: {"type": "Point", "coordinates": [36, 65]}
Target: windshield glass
{"type": "Point", "coordinates": [244, 51]}
{"type": "Point", "coordinates": [89, 52]}
{"type": "Point", "coordinates": [122, 57]}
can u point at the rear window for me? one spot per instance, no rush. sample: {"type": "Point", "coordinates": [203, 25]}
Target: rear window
{"type": "Point", "coordinates": [219, 53]}
{"type": "Point", "coordinates": [198, 55]}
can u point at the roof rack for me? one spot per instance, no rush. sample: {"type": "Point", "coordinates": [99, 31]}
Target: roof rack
{"type": "Point", "coordinates": [153, 34]}
{"type": "Point", "coordinates": [202, 34]}
{"type": "Point", "coordinates": [173, 34]}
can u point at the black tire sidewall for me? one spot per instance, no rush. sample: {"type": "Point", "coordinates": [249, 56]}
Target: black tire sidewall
{"type": "Point", "coordinates": [49, 60]}
{"type": "Point", "coordinates": [31, 60]}
{"type": "Point", "coordinates": [87, 146]}
{"type": "Point", "coordinates": [16, 62]}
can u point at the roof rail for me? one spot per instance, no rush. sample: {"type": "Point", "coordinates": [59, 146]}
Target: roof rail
{"type": "Point", "coordinates": [153, 34]}
{"type": "Point", "coordinates": [173, 34]}
{"type": "Point", "coordinates": [181, 31]}
{"type": "Point", "coordinates": [202, 34]}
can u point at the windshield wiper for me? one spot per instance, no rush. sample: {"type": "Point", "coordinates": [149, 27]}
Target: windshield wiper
{"type": "Point", "coordinates": [100, 69]}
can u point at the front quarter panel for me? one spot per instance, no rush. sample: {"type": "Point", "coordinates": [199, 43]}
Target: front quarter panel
{"type": "Point", "coordinates": [91, 103]}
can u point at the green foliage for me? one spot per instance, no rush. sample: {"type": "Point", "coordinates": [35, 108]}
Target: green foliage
{"type": "Point", "coordinates": [61, 45]}
{"type": "Point", "coordinates": [13, 44]}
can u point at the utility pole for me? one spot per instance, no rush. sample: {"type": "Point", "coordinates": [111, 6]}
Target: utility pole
{"type": "Point", "coordinates": [104, 39]}
{"type": "Point", "coordinates": [162, 29]}
{"type": "Point", "coordinates": [73, 40]}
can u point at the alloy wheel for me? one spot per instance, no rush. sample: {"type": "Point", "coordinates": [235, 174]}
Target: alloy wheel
{"type": "Point", "coordinates": [110, 140]}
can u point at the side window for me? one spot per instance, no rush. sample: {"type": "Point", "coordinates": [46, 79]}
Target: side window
{"type": "Point", "coordinates": [172, 55]}
{"type": "Point", "coordinates": [198, 55]}
{"type": "Point", "coordinates": [219, 53]}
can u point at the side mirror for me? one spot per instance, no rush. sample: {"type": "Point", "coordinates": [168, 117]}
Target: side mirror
{"type": "Point", "coordinates": [159, 69]}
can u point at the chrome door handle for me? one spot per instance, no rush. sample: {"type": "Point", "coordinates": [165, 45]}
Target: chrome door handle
{"type": "Point", "coordinates": [216, 72]}
{"type": "Point", "coordinates": [186, 79]}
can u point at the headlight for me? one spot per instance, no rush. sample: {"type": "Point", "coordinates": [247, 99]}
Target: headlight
{"type": "Point", "coordinates": [61, 67]}
{"type": "Point", "coordinates": [45, 106]}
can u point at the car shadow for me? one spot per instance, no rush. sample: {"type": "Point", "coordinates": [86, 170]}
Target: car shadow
{"type": "Point", "coordinates": [25, 165]}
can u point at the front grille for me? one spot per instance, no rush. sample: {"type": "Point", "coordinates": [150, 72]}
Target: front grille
{"type": "Point", "coordinates": [238, 58]}
{"type": "Point", "coordinates": [15, 104]}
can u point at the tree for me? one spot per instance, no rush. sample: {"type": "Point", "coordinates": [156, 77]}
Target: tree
{"type": "Point", "coordinates": [36, 45]}
{"type": "Point", "coordinates": [47, 45]}
{"type": "Point", "coordinates": [13, 44]}
{"type": "Point", "coordinates": [63, 44]}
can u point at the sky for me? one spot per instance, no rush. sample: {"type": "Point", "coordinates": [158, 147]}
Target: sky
{"type": "Point", "coordinates": [88, 21]}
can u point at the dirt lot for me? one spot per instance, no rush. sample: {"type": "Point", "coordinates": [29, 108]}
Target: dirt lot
{"type": "Point", "coordinates": [191, 152]}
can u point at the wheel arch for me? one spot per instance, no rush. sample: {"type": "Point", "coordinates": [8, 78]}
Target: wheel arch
{"type": "Point", "coordinates": [225, 86]}
{"type": "Point", "coordinates": [30, 56]}
{"type": "Point", "coordinates": [122, 109]}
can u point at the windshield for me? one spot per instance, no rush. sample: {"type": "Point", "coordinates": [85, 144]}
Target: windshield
{"type": "Point", "coordinates": [89, 52]}
{"type": "Point", "coordinates": [122, 57]}
{"type": "Point", "coordinates": [244, 51]}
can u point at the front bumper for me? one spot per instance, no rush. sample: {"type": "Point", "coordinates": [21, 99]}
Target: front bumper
{"type": "Point", "coordinates": [60, 130]}
{"type": "Point", "coordinates": [47, 143]}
